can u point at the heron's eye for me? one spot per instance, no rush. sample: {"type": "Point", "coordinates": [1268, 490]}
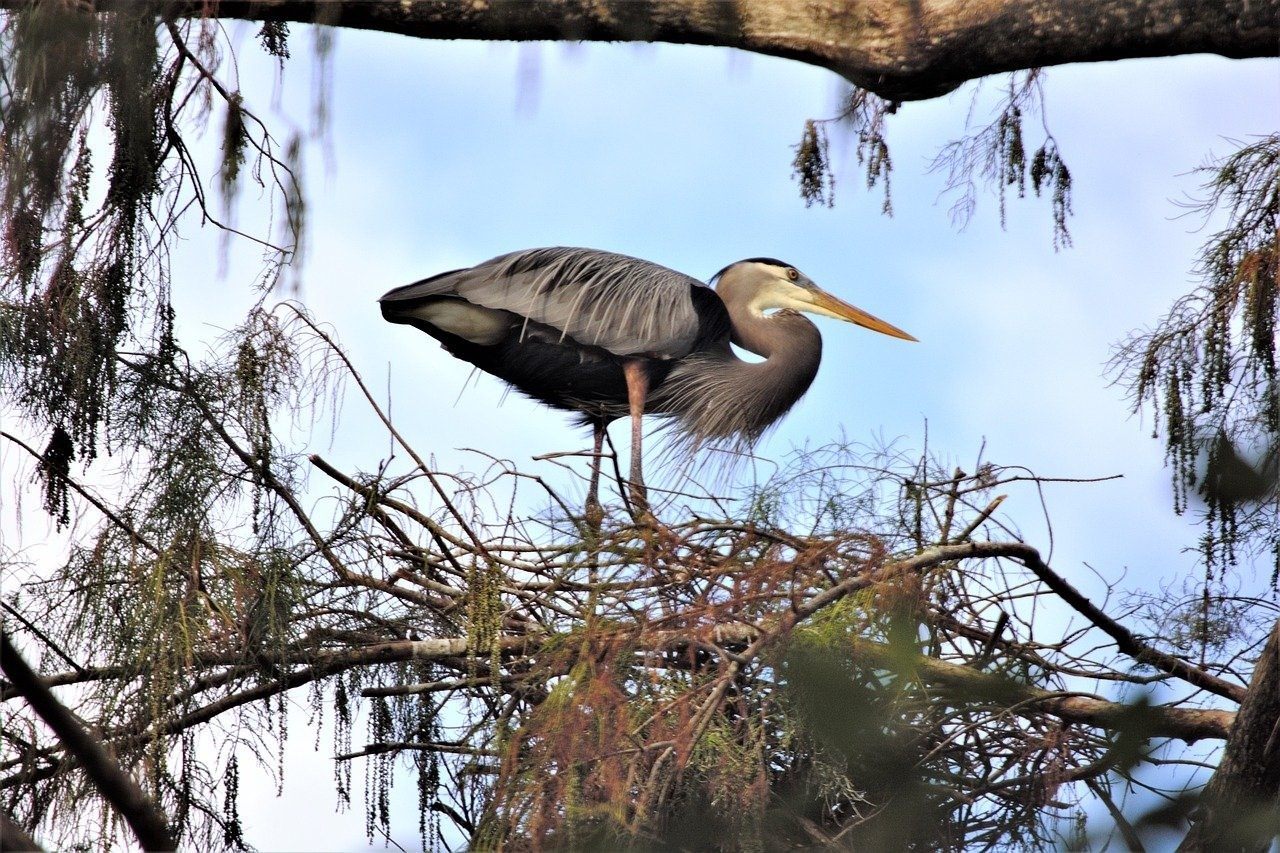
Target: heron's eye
{"type": "Point", "coordinates": [793, 273]}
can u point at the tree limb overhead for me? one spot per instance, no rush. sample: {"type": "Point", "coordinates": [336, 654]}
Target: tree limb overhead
{"type": "Point", "coordinates": [901, 51]}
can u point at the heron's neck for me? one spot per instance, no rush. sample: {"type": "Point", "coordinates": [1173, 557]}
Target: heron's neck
{"type": "Point", "coordinates": [718, 396]}
{"type": "Point", "coordinates": [790, 345]}
{"type": "Point", "coordinates": [784, 333]}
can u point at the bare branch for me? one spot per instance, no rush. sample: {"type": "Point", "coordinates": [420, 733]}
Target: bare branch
{"type": "Point", "coordinates": [1125, 639]}
{"type": "Point", "coordinates": [143, 816]}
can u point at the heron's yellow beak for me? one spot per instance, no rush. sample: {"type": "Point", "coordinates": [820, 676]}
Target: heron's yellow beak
{"type": "Point", "coordinates": [824, 303]}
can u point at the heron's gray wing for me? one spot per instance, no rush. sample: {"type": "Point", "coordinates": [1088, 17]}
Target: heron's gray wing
{"type": "Point", "coordinates": [624, 305]}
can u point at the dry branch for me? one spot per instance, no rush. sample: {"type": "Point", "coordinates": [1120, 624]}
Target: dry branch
{"type": "Point", "coordinates": [1126, 641]}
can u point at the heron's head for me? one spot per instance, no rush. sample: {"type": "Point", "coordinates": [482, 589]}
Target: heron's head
{"type": "Point", "coordinates": [761, 285]}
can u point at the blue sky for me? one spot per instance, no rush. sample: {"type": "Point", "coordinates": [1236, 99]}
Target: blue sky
{"type": "Point", "coordinates": [440, 155]}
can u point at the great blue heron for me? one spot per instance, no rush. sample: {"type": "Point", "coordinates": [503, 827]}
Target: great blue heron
{"type": "Point", "coordinates": [607, 335]}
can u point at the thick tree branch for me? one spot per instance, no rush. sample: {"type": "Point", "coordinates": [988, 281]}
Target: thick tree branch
{"type": "Point", "coordinates": [1241, 805]}
{"type": "Point", "coordinates": [14, 838]}
{"type": "Point", "coordinates": [455, 748]}
{"type": "Point", "coordinates": [901, 51]}
{"type": "Point", "coordinates": [1189, 724]}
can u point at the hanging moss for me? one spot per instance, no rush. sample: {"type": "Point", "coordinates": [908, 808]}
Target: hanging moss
{"type": "Point", "coordinates": [235, 139]}
{"type": "Point", "coordinates": [60, 359]}
{"type": "Point", "coordinates": [484, 617]}
{"type": "Point", "coordinates": [55, 468]}
{"type": "Point", "coordinates": [232, 828]}
{"type": "Point", "coordinates": [274, 37]}
{"type": "Point", "coordinates": [342, 717]}
{"type": "Point", "coordinates": [49, 54]}
{"type": "Point", "coordinates": [82, 275]}
{"type": "Point", "coordinates": [864, 115]}
{"type": "Point", "coordinates": [1010, 153]}
{"type": "Point", "coordinates": [812, 168]}
{"type": "Point", "coordinates": [131, 72]}
{"type": "Point", "coordinates": [997, 154]}
{"type": "Point", "coordinates": [378, 782]}
{"type": "Point", "coordinates": [1049, 173]}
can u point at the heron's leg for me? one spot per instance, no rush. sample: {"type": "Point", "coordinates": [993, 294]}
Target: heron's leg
{"type": "Point", "coordinates": [637, 387]}
{"type": "Point", "coordinates": [595, 513]}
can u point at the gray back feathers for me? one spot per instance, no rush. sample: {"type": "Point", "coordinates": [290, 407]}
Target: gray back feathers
{"type": "Point", "coordinates": [624, 305]}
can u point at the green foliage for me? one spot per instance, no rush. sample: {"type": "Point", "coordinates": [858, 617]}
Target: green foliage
{"type": "Point", "coordinates": [84, 261]}
{"type": "Point", "coordinates": [484, 614]}
{"type": "Point", "coordinates": [853, 723]}
{"type": "Point", "coordinates": [1208, 370]}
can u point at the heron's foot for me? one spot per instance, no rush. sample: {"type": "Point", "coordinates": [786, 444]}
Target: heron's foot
{"type": "Point", "coordinates": [593, 517]}
{"type": "Point", "coordinates": [656, 535]}
{"type": "Point", "coordinates": [640, 511]}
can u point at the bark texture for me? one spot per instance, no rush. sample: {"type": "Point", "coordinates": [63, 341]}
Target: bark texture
{"type": "Point", "coordinates": [1241, 805]}
{"type": "Point", "coordinates": [900, 49]}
